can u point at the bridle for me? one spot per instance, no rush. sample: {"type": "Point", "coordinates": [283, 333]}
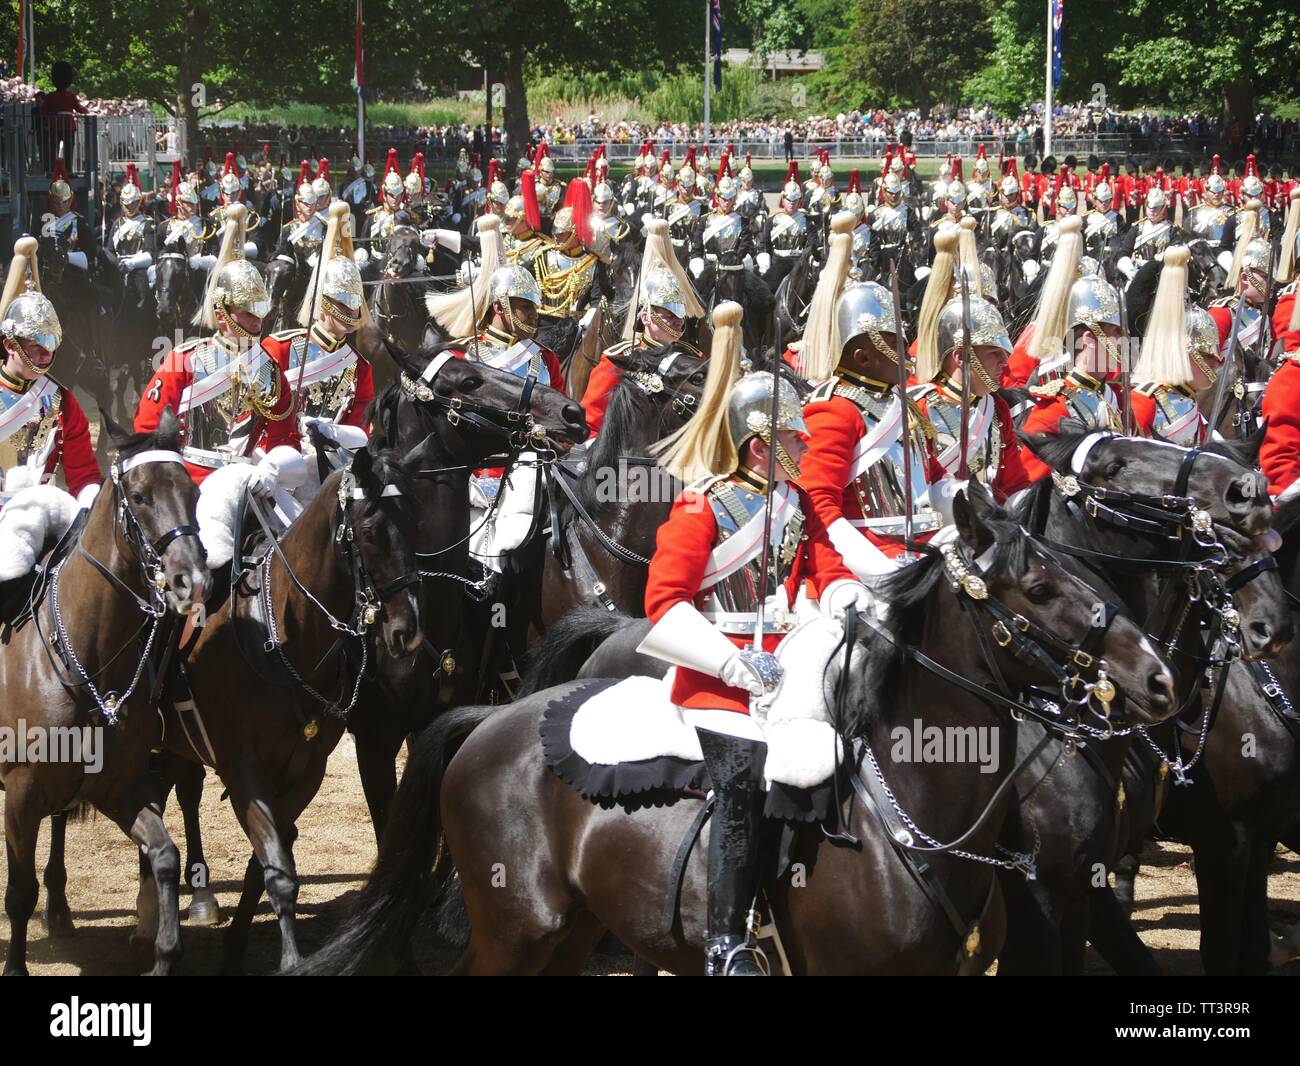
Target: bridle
{"type": "Point", "coordinates": [368, 600]}
{"type": "Point", "coordinates": [148, 555]}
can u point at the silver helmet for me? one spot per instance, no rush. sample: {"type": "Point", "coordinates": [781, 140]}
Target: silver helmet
{"type": "Point", "coordinates": [987, 326]}
{"type": "Point", "coordinates": [1215, 185]}
{"type": "Point", "coordinates": [32, 317]}
{"type": "Point", "coordinates": [1103, 194]}
{"type": "Point", "coordinates": [1093, 303]}
{"type": "Point", "coordinates": [1257, 256]}
{"type": "Point", "coordinates": [499, 193]}
{"type": "Point", "coordinates": [393, 185]}
{"type": "Point", "coordinates": [1088, 265]}
{"type": "Point", "coordinates": [513, 282]}
{"type": "Point", "coordinates": [854, 204]}
{"type": "Point", "coordinates": [865, 307]}
{"type": "Point", "coordinates": [1252, 187]}
{"type": "Point", "coordinates": [660, 289]}
{"type": "Point", "coordinates": [1010, 188]}
{"type": "Point", "coordinates": [727, 189]}
{"type": "Point", "coordinates": [793, 191]}
{"type": "Point", "coordinates": [602, 193]}
{"type": "Point", "coordinates": [749, 409]}
{"type": "Point", "coordinates": [893, 184]}
{"type": "Point", "coordinates": [1068, 198]}
{"type": "Point", "coordinates": [240, 285]}
{"type": "Point", "coordinates": [955, 193]}
{"type": "Point", "coordinates": [341, 290]}
{"type": "Point", "coordinates": [686, 178]}
{"type": "Point", "coordinates": [1202, 334]}
{"type": "Point", "coordinates": [988, 280]}
{"type": "Point", "coordinates": [1156, 199]}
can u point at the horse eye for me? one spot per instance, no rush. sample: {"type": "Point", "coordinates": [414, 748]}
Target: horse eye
{"type": "Point", "coordinates": [470, 384]}
{"type": "Point", "coordinates": [137, 498]}
{"type": "Point", "coordinates": [1114, 468]}
{"type": "Point", "coordinates": [1040, 592]}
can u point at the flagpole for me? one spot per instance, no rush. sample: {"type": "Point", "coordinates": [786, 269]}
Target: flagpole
{"type": "Point", "coordinates": [708, 73]}
{"type": "Point", "coordinates": [361, 96]}
{"type": "Point", "coordinates": [1047, 116]}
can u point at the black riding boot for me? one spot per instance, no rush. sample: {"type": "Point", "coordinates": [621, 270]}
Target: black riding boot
{"type": "Point", "coordinates": [735, 767]}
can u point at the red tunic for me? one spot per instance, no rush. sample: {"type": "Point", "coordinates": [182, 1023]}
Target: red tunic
{"type": "Point", "coordinates": [1020, 365]}
{"type": "Point", "coordinates": [174, 377]}
{"type": "Point", "coordinates": [1279, 454]}
{"type": "Point", "coordinates": [278, 348]}
{"type": "Point", "coordinates": [1282, 319]}
{"type": "Point", "coordinates": [601, 384]}
{"type": "Point", "coordinates": [1012, 475]}
{"type": "Point", "coordinates": [834, 428]}
{"type": "Point", "coordinates": [72, 446]}
{"type": "Point", "coordinates": [682, 549]}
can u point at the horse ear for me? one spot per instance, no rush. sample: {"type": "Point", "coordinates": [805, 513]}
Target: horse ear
{"type": "Point", "coordinates": [623, 358]}
{"type": "Point", "coordinates": [115, 432]}
{"type": "Point", "coordinates": [169, 427]}
{"type": "Point", "coordinates": [1250, 446]}
{"type": "Point", "coordinates": [969, 507]}
{"type": "Point", "coordinates": [363, 468]}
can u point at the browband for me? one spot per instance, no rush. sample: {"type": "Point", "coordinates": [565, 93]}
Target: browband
{"type": "Point", "coordinates": [359, 493]}
{"type": "Point", "coordinates": [1081, 452]}
{"type": "Point", "coordinates": [435, 364]}
{"type": "Point", "coordinates": [152, 456]}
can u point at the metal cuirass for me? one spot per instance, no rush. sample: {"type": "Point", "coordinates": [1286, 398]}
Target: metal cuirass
{"type": "Point", "coordinates": [30, 443]}
{"type": "Point", "coordinates": [129, 235]}
{"type": "Point", "coordinates": [985, 455]}
{"type": "Point", "coordinates": [1010, 222]}
{"type": "Point", "coordinates": [219, 426]}
{"type": "Point", "coordinates": [734, 504]}
{"type": "Point", "coordinates": [329, 378]}
{"type": "Point", "coordinates": [1177, 418]}
{"type": "Point", "coordinates": [721, 232]}
{"type": "Point", "coordinates": [681, 220]}
{"type": "Point", "coordinates": [789, 232]}
{"type": "Point", "coordinates": [890, 223]}
{"type": "Point", "coordinates": [879, 490]}
{"type": "Point", "coordinates": [748, 203]}
{"type": "Point", "coordinates": [185, 235]}
{"type": "Point", "coordinates": [307, 236]}
{"type": "Point", "coordinates": [1152, 239]}
{"type": "Point", "coordinates": [1103, 224]}
{"type": "Point", "coordinates": [859, 251]}
{"type": "Point", "coordinates": [1209, 222]}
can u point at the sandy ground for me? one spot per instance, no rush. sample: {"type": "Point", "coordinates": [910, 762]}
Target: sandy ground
{"type": "Point", "coordinates": [336, 847]}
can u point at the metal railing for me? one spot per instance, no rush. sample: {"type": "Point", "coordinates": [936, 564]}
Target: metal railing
{"type": "Point", "coordinates": [29, 145]}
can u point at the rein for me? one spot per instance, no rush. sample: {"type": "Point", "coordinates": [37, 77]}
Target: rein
{"type": "Point", "coordinates": [148, 556]}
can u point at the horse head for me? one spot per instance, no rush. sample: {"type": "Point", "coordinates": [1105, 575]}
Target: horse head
{"type": "Point", "coordinates": [1210, 502]}
{"type": "Point", "coordinates": [154, 497]}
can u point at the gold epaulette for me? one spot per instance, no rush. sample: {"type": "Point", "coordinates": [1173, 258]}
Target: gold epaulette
{"type": "Point", "coordinates": [1223, 301]}
{"type": "Point", "coordinates": [705, 484]}
{"type": "Point", "coordinates": [1048, 390]}
{"type": "Point", "coordinates": [1147, 388]}
{"type": "Point", "coordinates": [618, 349]}
{"type": "Point", "coordinates": [191, 344]}
{"type": "Point", "coordinates": [922, 420]}
{"type": "Point", "coordinates": [374, 210]}
{"type": "Point", "coordinates": [286, 334]}
{"type": "Point", "coordinates": [690, 348]}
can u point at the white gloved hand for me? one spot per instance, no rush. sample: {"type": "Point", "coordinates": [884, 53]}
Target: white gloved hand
{"type": "Point", "coordinates": [1126, 267]}
{"type": "Point", "coordinates": [311, 260]}
{"type": "Point", "coordinates": [261, 483]}
{"type": "Point", "coordinates": [840, 597]}
{"type": "Point", "coordinates": [1224, 259]}
{"type": "Point", "coordinates": [361, 257]}
{"type": "Point", "coordinates": [748, 261]}
{"type": "Point", "coordinates": [285, 465]}
{"type": "Point", "coordinates": [87, 496]}
{"type": "Point", "coordinates": [764, 262]}
{"type": "Point", "coordinates": [739, 674]}
{"type": "Point", "coordinates": [697, 265]}
{"type": "Point", "coordinates": [250, 250]}
{"type": "Point", "coordinates": [140, 259]}
{"type": "Point", "coordinates": [78, 260]}
{"type": "Point", "coordinates": [1030, 268]}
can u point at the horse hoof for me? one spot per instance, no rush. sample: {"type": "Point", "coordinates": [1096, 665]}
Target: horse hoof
{"type": "Point", "coordinates": [58, 923]}
{"type": "Point", "coordinates": [15, 971]}
{"type": "Point", "coordinates": [203, 908]}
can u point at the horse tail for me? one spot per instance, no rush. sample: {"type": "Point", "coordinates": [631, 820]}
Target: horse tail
{"type": "Point", "coordinates": [404, 879]}
{"type": "Point", "coordinates": [567, 645]}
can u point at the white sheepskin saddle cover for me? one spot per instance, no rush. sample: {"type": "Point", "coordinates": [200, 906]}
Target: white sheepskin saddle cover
{"type": "Point", "coordinates": [635, 719]}
{"type": "Point", "coordinates": [220, 495]}
{"type": "Point", "coordinates": [32, 521]}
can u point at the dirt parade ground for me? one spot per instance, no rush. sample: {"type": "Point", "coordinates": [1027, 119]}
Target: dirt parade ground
{"type": "Point", "coordinates": [336, 848]}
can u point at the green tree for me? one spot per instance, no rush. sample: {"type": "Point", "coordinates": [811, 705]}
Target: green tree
{"type": "Point", "coordinates": [917, 52]}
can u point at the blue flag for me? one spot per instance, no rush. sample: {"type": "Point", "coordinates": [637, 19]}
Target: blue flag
{"type": "Point", "coordinates": [1058, 9]}
{"type": "Point", "coordinates": [715, 43]}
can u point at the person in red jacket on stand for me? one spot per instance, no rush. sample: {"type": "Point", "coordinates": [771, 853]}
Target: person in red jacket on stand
{"type": "Point", "coordinates": [703, 592]}
{"type": "Point", "coordinates": [1279, 454]}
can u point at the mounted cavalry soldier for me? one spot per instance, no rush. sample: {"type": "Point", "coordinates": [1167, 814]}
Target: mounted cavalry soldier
{"type": "Point", "coordinates": [787, 232]}
{"type": "Point", "coordinates": [823, 200]}
{"type": "Point", "coordinates": [301, 239]}
{"type": "Point", "coordinates": [856, 206]}
{"type": "Point", "coordinates": [1064, 202]}
{"type": "Point", "coordinates": [186, 233]}
{"type": "Point", "coordinates": [683, 213]}
{"type": "Point", "coordinates": [1208, 220]}
{"type": "Point", "coordinates": [657, 318]}
{"type": "Point", "coordinates": [859, 468]}
{"type": "Point", "coordinates": [952, 342]}
{"type": "Point", "coordinates": [62, 221]}
{"type": "Point", "coordinates": [232, 192]}
{"type": "Point", "coordinates": [706, 592]}
{"type": "Point", "coordinates": [1279, 454]}
{"type": "Point", "coordinates": [570, 273]}
{"type": "Point", "coordinates": [721, 233]}
{"type": "Point", "coordinates": [390, 213]}
{"type": "Point", "coordinates": [1247, 280]}
{"type": "Point", "coordinates": [230, 396]}
{"type": "Point", "coordinates": [332, 384]}
{"type": "Point", "coordinates": [1012, 223]}
{"type": "Point", "coordinates": [42, 426]}
{"type": "Point", "coordinates": [749, 200]}
{"type": "Point", "coordinates": [417, 191]}
{"type": "Point", "coordinates": [1102, 224]}
{"type": "Point", "coordinates": [890, 219]}
{"type": "Point", "coordinates": [1148, 239]}
{"type": "Point", "coordinates": [549, 189]}
{"type": "Point", "coordinates": [1180, 356]}
{"type": "Point", "coordinates": [522, 225]}
{"type": "Point", "coordinates": [132, 241]}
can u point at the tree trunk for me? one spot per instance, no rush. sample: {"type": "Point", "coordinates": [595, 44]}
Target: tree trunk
{"type": "Point", "coordinates": [1239, 108]}
{"type": "Point", "coordinates": [190, 92]}
{"type": "Point", "coordinates": [515, 110]}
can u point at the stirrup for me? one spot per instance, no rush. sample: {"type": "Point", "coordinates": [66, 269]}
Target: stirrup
{"type": "Point", "coordinates": [721, 953]}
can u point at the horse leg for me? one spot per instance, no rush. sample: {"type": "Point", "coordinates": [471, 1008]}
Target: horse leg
{"type": "Point", "coordinates": [139, 815]}
{"type": "Point", "coordinates": [58, 915]}
{"type": "Point", "coordinates": [1221, 862]}
{"type": "Point", "coordinates": [1114, 937]}
{"type": "Point", "coordinates": [572, 953]}
{"type": "Point", "coordinates": [22, 826]}
{"type": "Point", "coordinates": [1126, 871]}
{"type": "Point", "coordinates": [203, 909]}
{"type": "Point", "coordinates": [1033, 941]}
{"type": "Point", "coordinates": [1256, 938]}
{"type": "Point", "coordinates": [377, 746]}
{"type": "Point", "coordinates": [1074, 938]}
{"type": "Point", "coordinates": [273, 849]}
{"type": "Point", "coordinates": [236, 940]}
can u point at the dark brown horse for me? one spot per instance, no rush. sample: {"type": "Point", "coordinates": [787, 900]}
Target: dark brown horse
{"type": "Point", "coordinates": [276, 670]}
{"type": "Point", "coordinates": [573, 869]}
{"type": "Point", "coordinates": [83, 664]}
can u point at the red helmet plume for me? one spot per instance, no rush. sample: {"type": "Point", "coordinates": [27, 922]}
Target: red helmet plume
{"type": "Point", "coordinates": [528, 190]}
{"type": "Point", "coordinates": [578, 199]}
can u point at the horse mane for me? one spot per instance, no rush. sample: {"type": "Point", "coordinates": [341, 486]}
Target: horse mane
{"type": "Point", "coordinates": [165, 438]}
{"type": "Point", "coordinates": [1058, 448]}
{"type": "Point", "coordinates": [625, 413]}
{"type": "Point", "coordinates": [908, 592]}
{"type": "Point", "coordinates": [1287, 515]}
